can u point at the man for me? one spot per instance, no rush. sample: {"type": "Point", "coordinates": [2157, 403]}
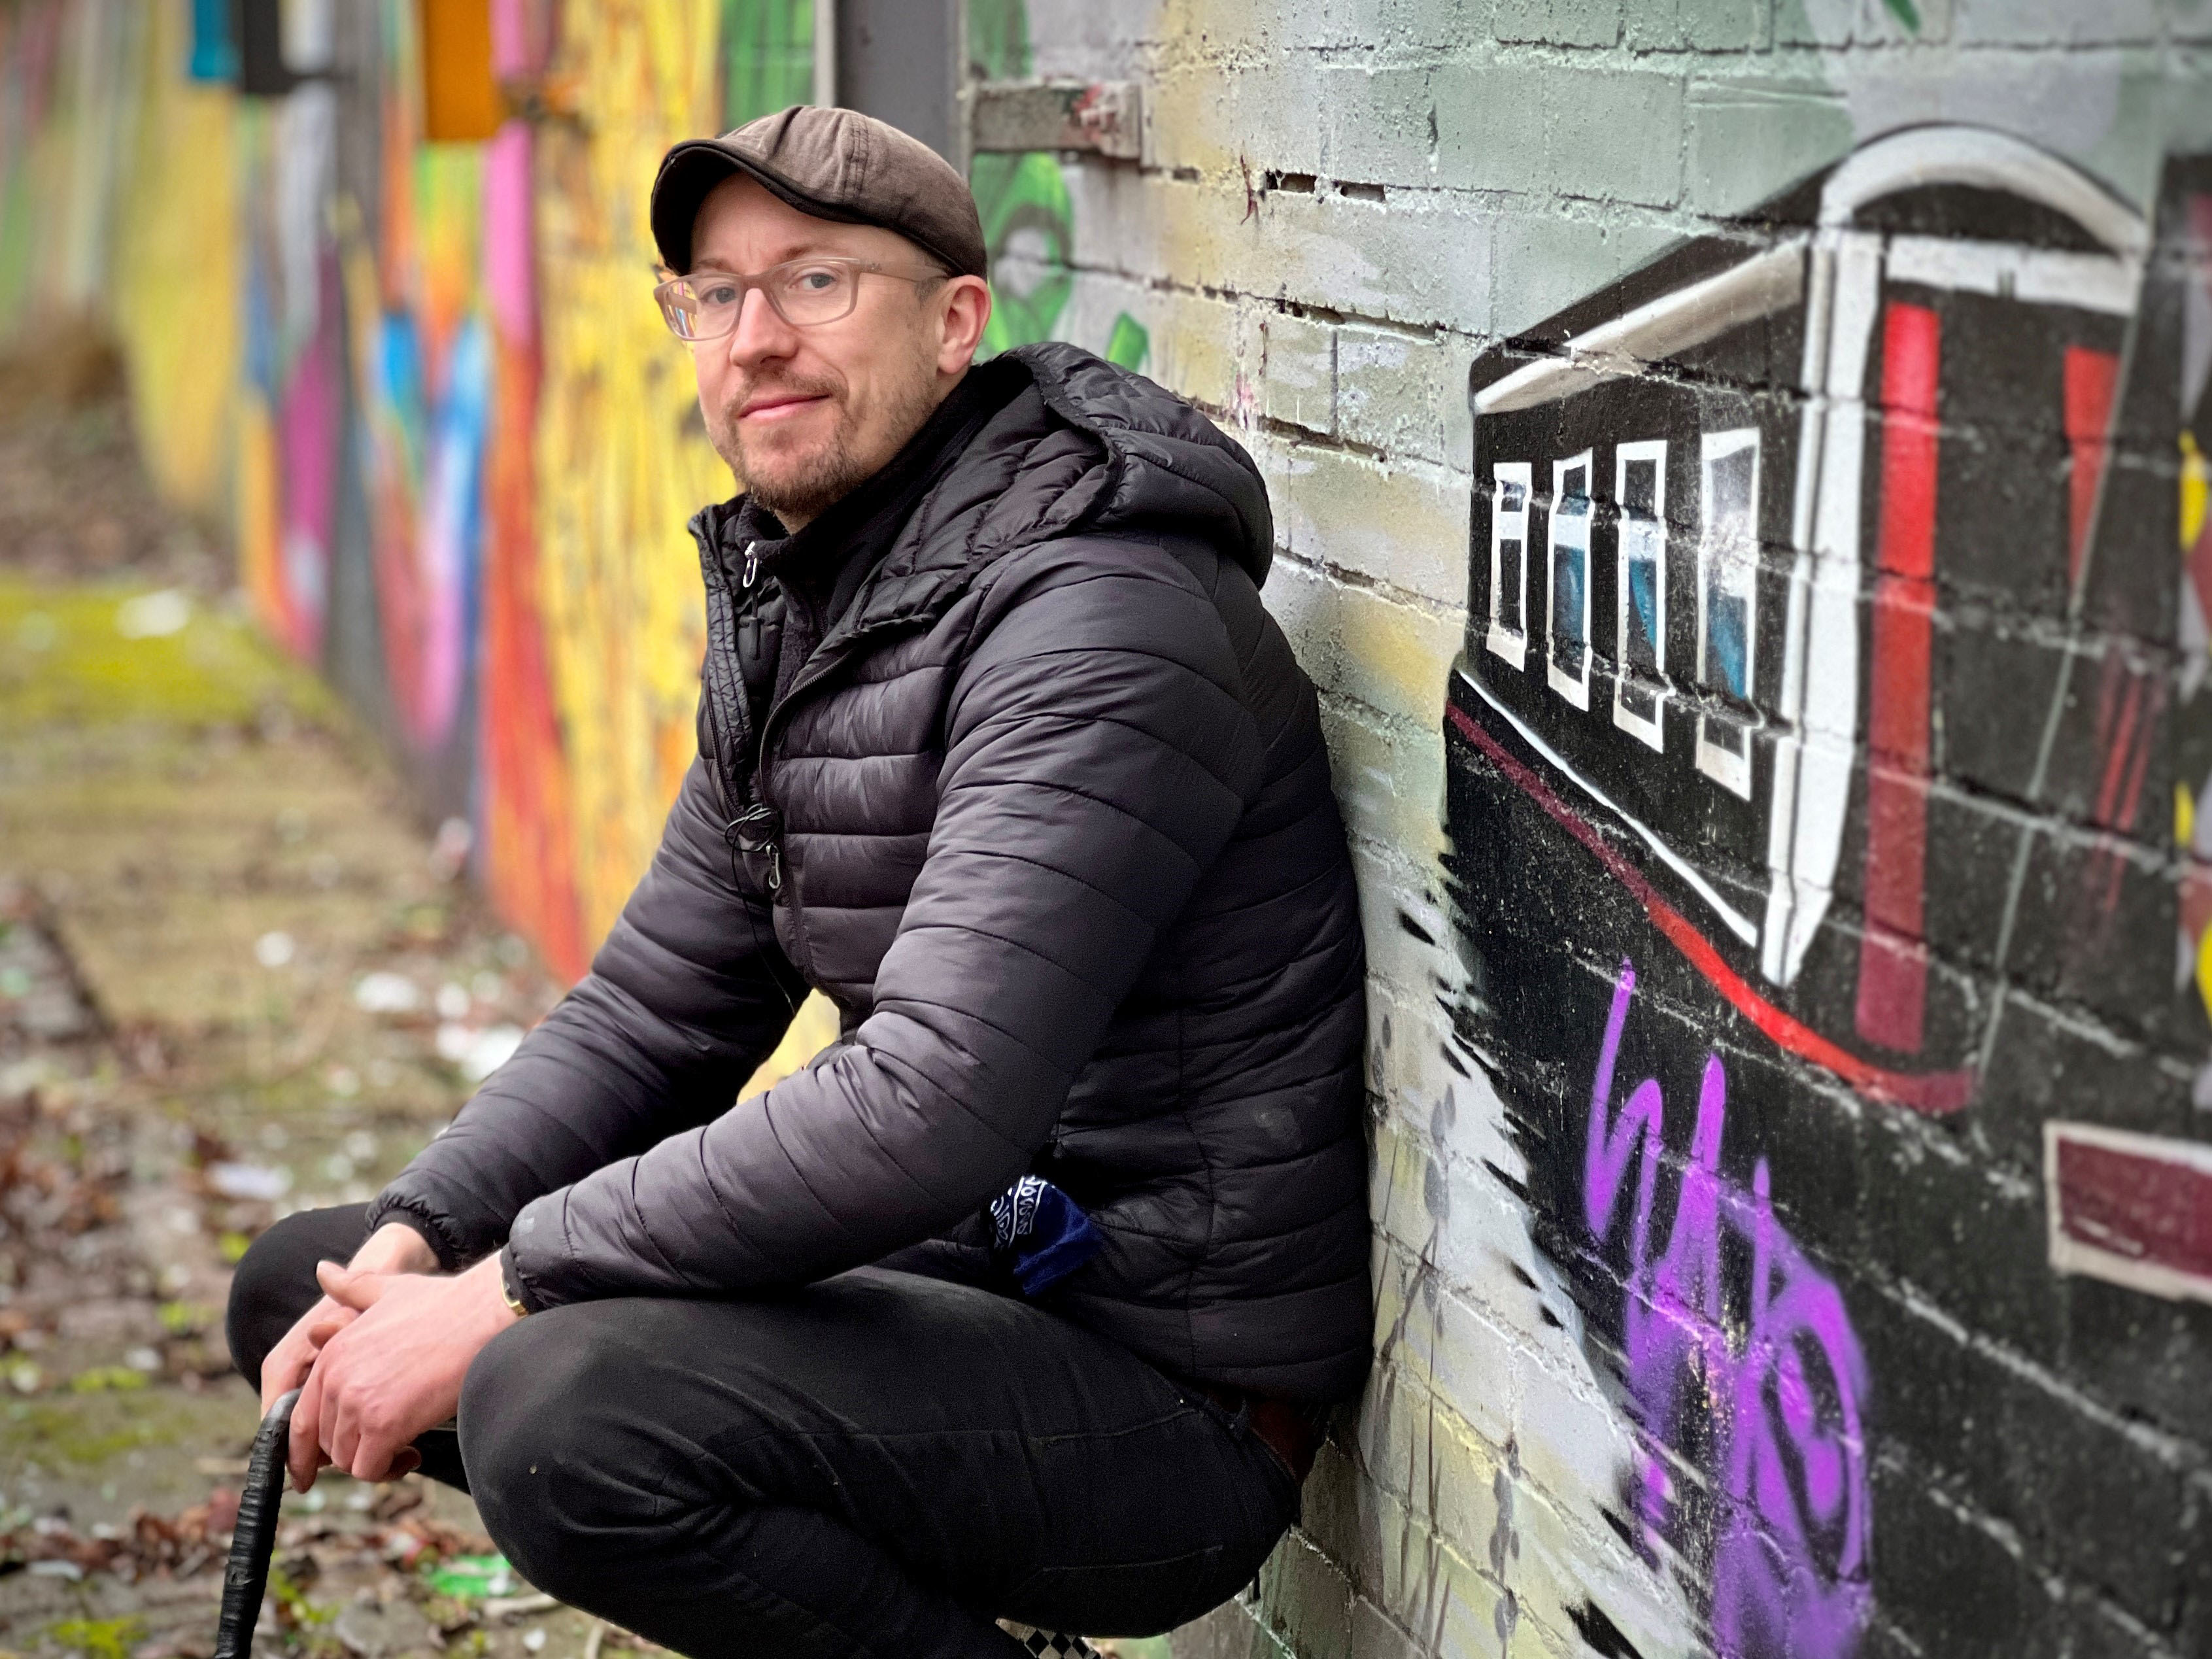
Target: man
{"type": "Point", "coordinates": [1023, 1299]}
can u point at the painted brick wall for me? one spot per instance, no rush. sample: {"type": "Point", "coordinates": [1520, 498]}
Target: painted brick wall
{"type": "Point", "coordinates": [1776, 807]}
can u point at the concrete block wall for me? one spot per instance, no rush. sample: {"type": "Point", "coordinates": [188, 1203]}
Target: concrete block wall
{"type": "Point", "coordinates": [1903, 1349]}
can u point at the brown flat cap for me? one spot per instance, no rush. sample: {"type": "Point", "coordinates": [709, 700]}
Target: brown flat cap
{"type": "Point", "coordinates": [834, 164]}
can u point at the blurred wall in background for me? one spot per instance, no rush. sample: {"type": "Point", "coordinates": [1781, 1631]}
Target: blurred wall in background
{"type": "Point", "coordinates": [1741, 488]}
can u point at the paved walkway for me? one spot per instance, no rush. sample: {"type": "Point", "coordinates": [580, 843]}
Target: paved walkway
{"type": "Point", "coordinates": [235, 978]}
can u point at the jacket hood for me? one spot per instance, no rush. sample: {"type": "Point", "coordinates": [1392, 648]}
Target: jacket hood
{"type": "Point", "coordinates": [1170, 461]}
{"type": "Point", "coordinates": [1085, 447]}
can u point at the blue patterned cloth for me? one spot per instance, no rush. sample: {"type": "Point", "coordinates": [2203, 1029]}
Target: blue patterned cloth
{"type": "Point", "coordinates": [1046, 1229]}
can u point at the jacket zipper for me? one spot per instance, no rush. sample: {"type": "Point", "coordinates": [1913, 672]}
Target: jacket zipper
{"type": "Point", "coordinates": [758, 829]}
{"type": "Point", "coordinates": [753, 828]}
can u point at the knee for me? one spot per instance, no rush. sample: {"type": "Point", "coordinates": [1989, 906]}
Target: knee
{"type": "Point", "coordinates": [548, 1448]}
{"type": "Point", "coordinates": [275, 1284]}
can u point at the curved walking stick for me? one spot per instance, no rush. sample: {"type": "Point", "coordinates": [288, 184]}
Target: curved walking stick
{"type": "Point", "coordinates": [253, 1539]}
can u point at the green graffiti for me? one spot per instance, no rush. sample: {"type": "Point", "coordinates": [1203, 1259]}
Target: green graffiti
{"type": "Point", "coordinates": [1131, 344]}
{"type": "Point", "coordinates": [1905, 12]}
{"type": "Point", "coordinates": [998, 38]}
{"type": "Point", "coordinates": [1029, 222]}
{"type": "Point", "coordinates": [767, 57]}
{"type": "Point", "coordinates": [1029, 226]}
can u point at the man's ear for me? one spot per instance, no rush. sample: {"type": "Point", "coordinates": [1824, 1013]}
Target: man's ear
{"type": "Point", "coordinates": [964, 310]}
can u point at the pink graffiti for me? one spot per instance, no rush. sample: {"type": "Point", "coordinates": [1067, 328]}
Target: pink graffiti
{"type": "Point", "coordinates": [1756, 1459]}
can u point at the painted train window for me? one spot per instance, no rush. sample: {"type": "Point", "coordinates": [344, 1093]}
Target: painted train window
{"type": "Point", "coordinates": [1569, 669]}
{"type": "Point", "coordinates": [1640, 488]}
{"type": "Point", "coordinates": [1509, 561]}
{"type": "Point", "coordinates": [1728, 572]}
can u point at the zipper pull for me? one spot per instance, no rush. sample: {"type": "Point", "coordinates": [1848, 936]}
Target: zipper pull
{"type": "Point", "coordinates": [753, 564]}
{"type": "Point", "coordinates": [755, 831]}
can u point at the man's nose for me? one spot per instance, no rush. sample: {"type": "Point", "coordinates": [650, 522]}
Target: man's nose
{"type": "Point", "coordinates": [761, 334]}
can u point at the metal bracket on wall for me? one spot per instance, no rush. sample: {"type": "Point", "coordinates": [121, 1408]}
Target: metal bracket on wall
{"type": "Point", "coordinates": [1103, 117]}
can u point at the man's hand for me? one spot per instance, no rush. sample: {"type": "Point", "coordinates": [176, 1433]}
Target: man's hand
{"type": "Point", "coordinates": [394, 1248]}
{"type": "Point", "coordinates": [393, 1369]}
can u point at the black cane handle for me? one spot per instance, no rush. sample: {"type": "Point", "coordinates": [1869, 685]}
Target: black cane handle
{"type": "Point", "coordinates": [253, 1541]}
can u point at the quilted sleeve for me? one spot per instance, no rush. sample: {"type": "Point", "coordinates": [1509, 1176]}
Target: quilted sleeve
{"type": "Point", "coordinates": [689, 993]}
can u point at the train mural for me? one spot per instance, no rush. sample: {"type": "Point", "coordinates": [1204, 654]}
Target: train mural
{"type": "Point", "coordinates": [1814, 566]}
{"type": "Point", "coordinates": [1719, 638]}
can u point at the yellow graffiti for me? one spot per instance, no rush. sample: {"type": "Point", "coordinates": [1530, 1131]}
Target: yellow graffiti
{"type": "Point", "coordinates": [2195, 484]}
{"type": "Point", "coordinates": [174, 286]}
{"type": "Point", "coordinates": [622, 461]}
{"type": "Point", "coordinates": [2204, 969]}
{"type": "Point", "coordinates": [2184, 818]}
{"type": "Point", "coordinates": [121, 194]}
{"type": "Point", "coordinates": [256, 504]}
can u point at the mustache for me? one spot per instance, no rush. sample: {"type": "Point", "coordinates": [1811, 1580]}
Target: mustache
{"type": "Point", "coordinates": [781, 385]}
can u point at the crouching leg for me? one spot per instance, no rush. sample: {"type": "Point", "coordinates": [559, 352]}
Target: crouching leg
{"type": "Point", "coordinates": [878, 1465]}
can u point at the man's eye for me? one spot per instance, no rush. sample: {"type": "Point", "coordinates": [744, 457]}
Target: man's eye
{"type": "Point", "coordinates": [720, 294]}
{"type": "Point", "coordinates": [820, 280]}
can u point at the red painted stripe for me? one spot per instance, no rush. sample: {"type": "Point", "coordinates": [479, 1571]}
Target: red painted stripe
{"type": "Point", "coordinates": [1932, 1092]}
{"type": "Point", "coordinates": [2137, 1204]}
{"type": "Point", "coordinates": [2091, 377]}
{"type": "Point", "coordinates": [1892, 997]}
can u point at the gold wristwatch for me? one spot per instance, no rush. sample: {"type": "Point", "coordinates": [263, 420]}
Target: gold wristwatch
{"type": "Point", "coordinates": [506, 1290]}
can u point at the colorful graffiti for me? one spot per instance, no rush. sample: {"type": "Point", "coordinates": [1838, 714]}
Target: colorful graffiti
{"type": "Point", "coordinates": [174, 289]}
{"type": "Point", "coordinates": [1756, 1384]}
{"type": "Point", "coordinates": [1814, 666]}
{"type": "Point", "coordinates": [622, 460]}
{"type": "Point", "coordinates": [421, 377]}
{"type": "Point", "coordinates": [1759, 825]}
{"type": "Point", "coordinates": [291, 418]}
{"type": "Point", "coordinates": [525, 807]}
{"type": "Point", "coordinates": [2187, 247]}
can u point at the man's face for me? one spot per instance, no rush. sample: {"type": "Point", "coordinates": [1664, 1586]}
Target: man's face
{"type": "Point", "coordinates": [804, 415]}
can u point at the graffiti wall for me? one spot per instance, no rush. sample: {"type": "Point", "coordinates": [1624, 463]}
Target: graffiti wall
{"type": "Point", "coordinates": [385, 310]}
{"type": "Point", "coordinates": [1826, 677]}
{"type": "Point", "coordinates": [1741, 488]}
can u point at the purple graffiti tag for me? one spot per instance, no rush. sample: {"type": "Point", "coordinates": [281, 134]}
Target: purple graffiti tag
{"type": "Point", "coordinates": [1757, 1391]}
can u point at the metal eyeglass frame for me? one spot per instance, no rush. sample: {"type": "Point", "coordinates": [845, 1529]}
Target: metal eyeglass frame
{"type": "Point", "coordinates": [767, 281]}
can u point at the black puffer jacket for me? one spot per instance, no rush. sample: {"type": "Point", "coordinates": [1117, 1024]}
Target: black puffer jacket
{"type": "Point", "coordinates": [1056, 836]}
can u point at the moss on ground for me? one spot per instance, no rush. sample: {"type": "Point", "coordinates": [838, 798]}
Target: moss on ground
{"type": "Point", "coordinates": [81, 1432]}
{"type": "Point", "coordinates": [85, 655]}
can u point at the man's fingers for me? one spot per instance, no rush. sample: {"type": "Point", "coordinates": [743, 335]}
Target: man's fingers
{"type": "Point", "coordinates": [328, 1327]}
{"type": "Point", "coordinates": [281, 1372]}
{"type": "Point", "coordinates": [374, 1462]}
{"type": "Point", "coordinates": [356, 1290]}
{"type": "Point", "coordinates": [306, 1449]}
{"type": "Point", "coordinates": [287, 1364]}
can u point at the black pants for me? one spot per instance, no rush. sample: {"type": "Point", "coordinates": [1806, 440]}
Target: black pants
{"type": "Point", "coordinates": [879, 1464]}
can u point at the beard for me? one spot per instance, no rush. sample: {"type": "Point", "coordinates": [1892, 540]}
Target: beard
{"type": "Point", "coordinates": [806, 481]}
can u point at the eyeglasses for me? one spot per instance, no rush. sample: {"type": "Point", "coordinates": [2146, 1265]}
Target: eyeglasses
{"type": "Point", "coordinates": [806, 292]}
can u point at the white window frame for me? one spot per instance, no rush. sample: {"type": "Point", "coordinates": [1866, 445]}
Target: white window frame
{"type": "Point", "coordinates": [1631, 535]}
{"type": "Point", "coordinates": [1574, 686]}
{"type": "Point", "coordinates": [1735, 558]}
{"type": "Point", "coordinates": [1511, 644]}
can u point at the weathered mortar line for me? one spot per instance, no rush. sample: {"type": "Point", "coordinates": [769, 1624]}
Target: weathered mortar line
{"type": "Point", "coordinates": [1351, 576]}
{"type": "Point", "coordinates": [2060, 1588]}
{"type": "Point", "coordinates": [2183, 1455]}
